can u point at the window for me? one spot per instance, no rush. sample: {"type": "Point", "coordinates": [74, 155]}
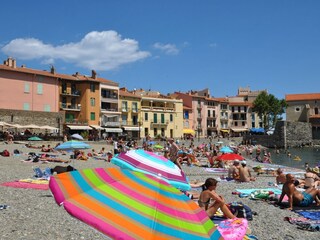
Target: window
{"type": "Point", "coordinates": [124, 106]}
{"type": "Point", "coordinates": [297, 109]}
{"type": "Point", "coordinates": [162, 118]}
{"type": "Point", "coordinates": [26, 88]}
{"type": "Point", "coordinates": [92, 116]}
{"type": "Point", "coordinates": [232, 109]}
{"type": "Point", "coordinates": [92, 87]}
{"type": "Point", "coordinates": [186, 115]}
{"type": "Point", "coordinates": [209, 113]}
{"type": "Point", "coordinates": [92, 102]}
{"type": "Point", "coordinates": [155, 132]}
{"type": "Point", "coordinates": [26, 106]}
{"type": "Point", "coordinates": [47, 108]}
{"type": "Point", "coordinates": [124, 119]}
{"type": "Point", "coordinates": [135, 107]}
{"type": "Point", "coordinates": [146, 117]}
{"type": "Point", "coordinates": [39, 88]}
{"type": "Point", "coordinates": [316, 111]}
{"type": "Point", "coordinates": [171, 118]}
{"type": "Point", "coordinates": [155, 118]}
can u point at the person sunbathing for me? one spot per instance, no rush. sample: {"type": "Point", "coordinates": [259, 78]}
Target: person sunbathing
{"type": "Point", "coordinates": [311, 179]}
{"type": "Point", "coordinates": [233, 171]}
{"type": "Point", "coordinates": [210, 201]}
{"type": "Point", "coordinates": [82, 156]}
{"type": "Point", "coordinates": [297, 198]}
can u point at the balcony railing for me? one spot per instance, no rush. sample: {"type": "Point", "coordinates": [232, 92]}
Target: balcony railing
{"type": "Point", "coordinates": [111, 124]}
{"type": "Point", "coordinates": [75, 121]}
{"type": "Point", "coordinates": [129, 123]}
{"type": "Point", "coordinates": [74, 93]}
{"type": "Point", "coordinates": [157, 109]}
{"type": "Point", "coordinates": [165, 123]}
{"type": "Point", "coordinates": [70, 107]}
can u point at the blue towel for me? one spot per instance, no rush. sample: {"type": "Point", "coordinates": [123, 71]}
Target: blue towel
{"type": "Point", "coordinates": [249, 191]}
{"type": "Point", "coordinates": [311, 214]}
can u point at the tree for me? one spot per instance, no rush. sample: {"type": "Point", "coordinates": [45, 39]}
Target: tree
{"type": "Point", "coordinates": [269, 108]}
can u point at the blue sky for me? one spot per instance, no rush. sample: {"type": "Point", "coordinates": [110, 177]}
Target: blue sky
{"type": "Point", "coordinates": [171, 45]}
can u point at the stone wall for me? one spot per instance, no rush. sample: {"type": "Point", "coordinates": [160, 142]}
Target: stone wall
{"type": "Point", "coordinates": [286, 134]}
{"type": "Point", "coordinates": [21, 117]}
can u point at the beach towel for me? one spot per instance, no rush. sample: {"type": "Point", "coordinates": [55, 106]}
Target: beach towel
{"type": "Point", "coordinates": [17, 184]}
{"type": "Point", "coordinates": [249, 191]}
{"type": "Point", "coordinates": [304, 223]}
{"type": "Point", "coordinates": [216, 170]}
{"type": "Point", "coordinates": [310, 214]}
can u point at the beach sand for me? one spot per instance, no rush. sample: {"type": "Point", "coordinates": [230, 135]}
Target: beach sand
{"type": "Point", "coordinates": [33, 214]}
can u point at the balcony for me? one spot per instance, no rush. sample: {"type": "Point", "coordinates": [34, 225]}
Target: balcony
{"type": "Point", "coordinates": [110, 110]}
{"type": "Point", "coordinates": [74, 93]}
{"type": "Point", "coordinates": [129, 123]}
{"type": "Point", "coordinates": [70, 107]}
{"type": "Point", "coordinates": [110, 98]}
{"type": "Point", "coordinates": [157, 109]}
{"type": "Point", "coordinates": [124, 109]}
{"type": "Point", "coordinates": [159, 124]}
{"type": "Point", "coordinates": [111, 124]}
{"type": "Point", "coordinates": [211, 117]}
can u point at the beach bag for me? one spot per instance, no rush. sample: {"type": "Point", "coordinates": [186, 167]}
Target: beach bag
{"type": "Point", "coordinates": [260, 194]}
{"type": "Point", "coordinates": [241, 210]}
{"type": "Point", "coordinates": [5, 153]}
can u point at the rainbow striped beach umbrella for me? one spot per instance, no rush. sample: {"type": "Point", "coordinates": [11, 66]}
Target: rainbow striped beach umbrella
{"type": "Point", "coordinates": [125, 204]}
{"type": "Point", "coordinates": [151, 163]}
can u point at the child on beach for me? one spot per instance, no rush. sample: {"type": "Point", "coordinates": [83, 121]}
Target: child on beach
{"type": "Point", "coordinates": [210, 201]}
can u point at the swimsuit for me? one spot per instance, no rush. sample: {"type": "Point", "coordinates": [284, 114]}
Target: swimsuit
{"type": "Point", "coordinates": [203, 204]}
{"type": "Point", "coordinates": [307, 200]}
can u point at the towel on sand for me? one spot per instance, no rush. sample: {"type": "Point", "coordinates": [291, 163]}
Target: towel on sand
{"type": "Point", "coordinates": [18, 184]}
{"type": "Point", "coordinates": [311, 214]}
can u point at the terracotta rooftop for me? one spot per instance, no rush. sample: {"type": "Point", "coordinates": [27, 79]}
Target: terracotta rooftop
{"type": "Point", "coordinates": [315, 116]}
{"type": "Point", "coordinates": [128, 94]}
{"type": "Point", "coordinates": [302, 97]}
{"type": "Point", "coordinates": [56, 75]}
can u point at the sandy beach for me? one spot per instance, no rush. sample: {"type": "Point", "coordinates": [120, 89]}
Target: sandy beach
{"type": "Point", "coordinates": [33, 214]}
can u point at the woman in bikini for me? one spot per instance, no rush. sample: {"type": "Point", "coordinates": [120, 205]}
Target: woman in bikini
{"type": "Point", "coordinates": [210, 201]}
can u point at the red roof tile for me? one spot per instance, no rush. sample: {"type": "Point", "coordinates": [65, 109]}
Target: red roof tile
{"type": "Point", "coordinates": [302, 97]}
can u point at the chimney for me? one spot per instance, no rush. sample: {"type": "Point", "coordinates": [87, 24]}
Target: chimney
{"type": "Point", "coordinates": [94, 74]}
{"type": "Point", "coordinates": [52, 69]}
{"type": "Point", "coordinates": [10, 62]}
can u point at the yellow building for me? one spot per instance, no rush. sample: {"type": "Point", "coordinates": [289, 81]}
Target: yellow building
{"type": "Point", "coordinates": [161, 116]}
{"type": "Point", "coordinates": [130, 105]}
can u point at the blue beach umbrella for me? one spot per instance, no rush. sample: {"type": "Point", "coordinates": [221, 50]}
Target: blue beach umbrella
{"type": "Point", "coordinates": [226, 149]}
{"type": "Point", "coordinates": [73, 145]}
{"type": "Point", "coordinates": [34, 139]}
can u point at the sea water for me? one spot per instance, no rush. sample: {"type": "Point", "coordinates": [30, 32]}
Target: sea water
{"type": "Point", "coordinates": [298, 158]}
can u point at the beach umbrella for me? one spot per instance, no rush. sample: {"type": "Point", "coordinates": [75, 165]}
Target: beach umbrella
{"type": "Point", "coordinates": [35, 138]}
{"type": "Point", "coordinates": [226, 149]}
{"type": "Point", "coordinates": [124, 204]}
{"type": "Point", "coordinates": [151, 163]}
{"type": "Point", "coordinates": [72, 145]}
{"type": "Point", "coordinates": [230, 157]}
{"type": "Point", "coordinates": [158, 146]}
{"type": "Point", "coordinates": [77, 136]}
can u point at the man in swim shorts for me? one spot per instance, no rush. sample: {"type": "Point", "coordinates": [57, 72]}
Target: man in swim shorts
{"type": "Point", "coordinates": [297, 198]}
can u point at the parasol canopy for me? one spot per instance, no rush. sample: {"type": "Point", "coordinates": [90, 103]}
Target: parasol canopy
{"type": "Point", "coordinates": [230, 157]}
{"type": "Point", "coordinates": [125, 204]}
{"type": "Point", "coordinates": [151, 163]}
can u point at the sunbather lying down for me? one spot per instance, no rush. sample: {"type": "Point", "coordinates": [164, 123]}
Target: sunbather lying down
{"type": "Point", "coordinates": [62, 169]}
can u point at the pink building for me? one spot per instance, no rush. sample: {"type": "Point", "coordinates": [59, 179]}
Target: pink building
{"type": "Point", "coordinates": [28, 89]}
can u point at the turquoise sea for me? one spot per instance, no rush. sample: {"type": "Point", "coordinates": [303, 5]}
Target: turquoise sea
{"type": "Point", "coordinates": [307, 155]}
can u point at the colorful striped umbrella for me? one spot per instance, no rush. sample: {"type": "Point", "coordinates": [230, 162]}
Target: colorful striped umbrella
{"type": "Point", "coordinates": [128, 205]}
{"type": "Point", "coordinates": [151, 163]}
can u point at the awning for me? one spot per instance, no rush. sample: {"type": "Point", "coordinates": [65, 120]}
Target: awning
{"type": "Point", "coordinates": [115, 130]}
{"type": "Point", "coordinates": [225, 130]}
{"type": "Point", "coordinates": [131, 128]}
{"type": "Point", "coordinates": [79, 127]}
{"type": "Point", "coordinates": [96, 127]}
{"type": "Point", "coordinates": [188, 131]}
{"type": "Point", "coordinates": [239, 129]}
